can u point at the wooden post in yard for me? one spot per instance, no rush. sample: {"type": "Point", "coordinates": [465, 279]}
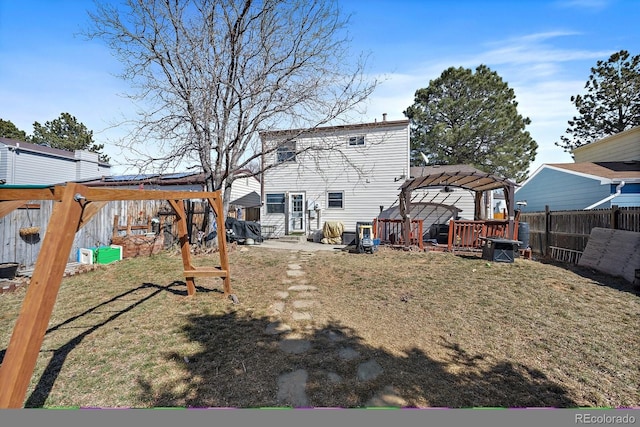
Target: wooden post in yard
{"type": "Point", "coordinates": [183, 238]}
{"type": "Point", "coordinates": [614, 217]}
{"type": "Point", "coordinates": [28, 333]}
{"type": "Point", "coordinates": [547, 230]}
{"type": "Point", "coordinates": [218, 207]}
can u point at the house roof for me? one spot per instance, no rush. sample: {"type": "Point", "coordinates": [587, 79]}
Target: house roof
{"type": "Point", "coordinates": [463, 176]}
{"type": "Point", "coordinates": [175, 178]}
{"type": "Point", "coordinates": [337, 128]}
{"type": "Point", "coordinates": [41, 149]}
{"type": "Point", "coordinates": [250, 200]}
{"type": "Point", "coordinates": [608, 170]}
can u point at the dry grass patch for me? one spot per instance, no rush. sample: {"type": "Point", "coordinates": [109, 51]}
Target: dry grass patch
{"type": "Point", "coordinates": [447, 330]}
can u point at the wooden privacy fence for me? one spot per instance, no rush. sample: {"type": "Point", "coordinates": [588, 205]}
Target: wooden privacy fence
{"type": "Point", "coordinates": [550, 230]}
{"type": "Point", "coordinates": [133, 217]}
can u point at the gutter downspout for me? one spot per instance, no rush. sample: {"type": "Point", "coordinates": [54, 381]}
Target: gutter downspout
{"type": "Point", "coordinates": [606, 199]}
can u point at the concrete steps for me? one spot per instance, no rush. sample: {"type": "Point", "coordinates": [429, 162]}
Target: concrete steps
{"type": "Point", "coordinates": [292, 239]}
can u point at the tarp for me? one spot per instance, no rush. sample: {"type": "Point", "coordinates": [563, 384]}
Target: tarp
{"type": "Point", "coordinates": [332, 232]}
{"type": "Point", "coordinates": [241, 230]}
{"type": "Point", "coordinates": [615, 252]}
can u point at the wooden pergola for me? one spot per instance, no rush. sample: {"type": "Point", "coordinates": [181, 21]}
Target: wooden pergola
{"type": "Point", "coordinates": [74, 206]}
{"type": "Point", "coordinates": [461, 176]}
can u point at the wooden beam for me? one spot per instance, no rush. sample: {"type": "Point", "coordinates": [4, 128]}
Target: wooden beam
{"type": "Point", "coordinates": [183, 238]}
{"type": "Point", "coordinates": [9, 206]}
{"type": "Point", "coordinates": [206, 272]}
{"type": "Point", "coordinates": [98, 194]}
{"type": "Point", "coordinates": [24, 194]}
{"type": "Point", "coordinates": [22, 353]}
{"type": "Point", "coordinates": [89, 211]}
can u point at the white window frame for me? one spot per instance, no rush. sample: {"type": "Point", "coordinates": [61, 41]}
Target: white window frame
{"type": "Point", "coordinates": [286, 152]}
{"type": "Point", "coordinates": [270, 204]}
{"type": "Point", "coordinates": [341, 199]}
{"type": "Point", "coordinates": [356, 141]}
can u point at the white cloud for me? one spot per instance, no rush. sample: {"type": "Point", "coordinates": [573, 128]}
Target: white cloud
{"type": "Point", "coordinates": [543, 75]}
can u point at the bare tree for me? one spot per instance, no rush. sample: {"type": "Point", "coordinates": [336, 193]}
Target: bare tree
{"type": "Point", "coordinates": [211, 73]}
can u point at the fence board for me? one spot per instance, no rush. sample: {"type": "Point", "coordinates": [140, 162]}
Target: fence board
{"type": "Point", "coordinates": [571, 229]}
{"type": "Point", "coordinates": [97, 232]}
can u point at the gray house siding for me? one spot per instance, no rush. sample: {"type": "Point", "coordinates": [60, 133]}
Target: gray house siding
{"type": "Point", "coordinates": [32, 168]}
{"type": "Point", "coordinates": [26, 163]}
{"type": "Point", "coordinates": [4, 163]}
{"type": "Point", "coordinates": [367, 176]}
{"type": "Point", "coordinates": [560, 191]}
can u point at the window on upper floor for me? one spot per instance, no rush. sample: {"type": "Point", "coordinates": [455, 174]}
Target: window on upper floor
{"type": "Point", "coordinates": [287, 152]}
{"type": "Point", "coordinates": [275, 203]}
{"type": "Point", "coordinates": [356, 140]}
{"type": "Point", "coordinates": [335, 200]}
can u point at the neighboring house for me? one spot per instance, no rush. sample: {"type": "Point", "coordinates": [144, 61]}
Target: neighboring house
{"type": "Point", "coordinates": [31, 164]}
{"type": "Point", "coordinates": [348, 174]}
{"type": "Point", "coordinates": [585, 185]}
{"type": "Point", "coordinates": [23, 163]}
{"type": "Point", "coordinates": [605, 173]}
{"type": "Point", "coordinates": [624, 146]}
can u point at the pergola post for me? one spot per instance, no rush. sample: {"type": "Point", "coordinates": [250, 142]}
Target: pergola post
{"type": "Point", "coordinates": [405, 211]}
{"type": "Point", "coordinates": [509, 195]}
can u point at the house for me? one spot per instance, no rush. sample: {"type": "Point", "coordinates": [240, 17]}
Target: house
{"type": "Point", "coordinates": [31, 164]}
{"type": "Point", "coordinates": [578, 186]}
{"type": "Point", "coordinates": [346, 173]}
{"type": "Point", "coordinates": [623, 146]}
{"type": "Point", "coordinates": [605, 173]}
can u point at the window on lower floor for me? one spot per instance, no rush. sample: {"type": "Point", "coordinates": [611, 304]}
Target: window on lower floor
{"type": "Point", "coordinates": [275, 203]}
{"type": "Point", "coordinates": [335, 200]}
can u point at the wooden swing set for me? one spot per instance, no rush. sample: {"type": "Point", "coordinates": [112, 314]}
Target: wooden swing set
{"type": "Point", "coordinates": [74, 206]}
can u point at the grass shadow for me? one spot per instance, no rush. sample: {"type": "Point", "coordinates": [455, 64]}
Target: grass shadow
{"type": "Point", "coordinates": [46, 381]}
{"type": "Point", "coordinates": [239, 365]}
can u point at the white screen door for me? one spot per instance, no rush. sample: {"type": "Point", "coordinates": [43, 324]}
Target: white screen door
{"type": "Point", "coordinates": [296, 212]}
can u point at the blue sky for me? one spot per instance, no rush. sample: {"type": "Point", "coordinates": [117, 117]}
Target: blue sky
{"type": "Point", "coordinates": [542, 49]}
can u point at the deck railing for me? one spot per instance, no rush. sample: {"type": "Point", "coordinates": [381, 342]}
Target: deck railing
{"type": "Point", "coordinates": [390, 231]}
{"type": "Point", "coordinates": [465, 234]}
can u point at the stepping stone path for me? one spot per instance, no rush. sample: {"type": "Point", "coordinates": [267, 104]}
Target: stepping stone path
{"type": "Point", "coordinates": [291, 388]}
{"type": "Point", "coordinates": [299, 296]}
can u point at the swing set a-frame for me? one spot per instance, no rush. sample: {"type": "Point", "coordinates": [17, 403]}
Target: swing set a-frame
{"type": "Point", "coordinates": [74, 206]}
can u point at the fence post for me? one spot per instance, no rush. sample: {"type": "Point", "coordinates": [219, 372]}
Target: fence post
{"type": "Point", "coordinates": [614, 217]}
{"type": "Point", "coordinates": [547, 230]}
